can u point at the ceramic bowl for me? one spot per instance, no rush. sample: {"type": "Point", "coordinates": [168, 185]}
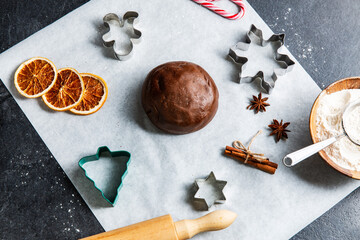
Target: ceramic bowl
{"type": "Point", "coordinates": [346, 83]}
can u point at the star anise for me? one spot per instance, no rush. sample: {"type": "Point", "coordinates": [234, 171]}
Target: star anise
{"type": "Point", "coordinates": [279, 129]}
{"type": "Point", "coordinates": [259, 104]}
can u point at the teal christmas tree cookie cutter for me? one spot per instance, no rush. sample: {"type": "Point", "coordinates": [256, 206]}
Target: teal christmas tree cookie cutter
{"type": "Point", "coordinates": [118, 156]}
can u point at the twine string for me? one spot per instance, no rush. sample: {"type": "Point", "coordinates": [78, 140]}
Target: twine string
{"type": "Point", "coordinates": [258, 156]}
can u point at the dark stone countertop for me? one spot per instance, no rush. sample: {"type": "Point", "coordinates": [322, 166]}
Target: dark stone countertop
{"type": "Point", "coordinates": [38, 201]}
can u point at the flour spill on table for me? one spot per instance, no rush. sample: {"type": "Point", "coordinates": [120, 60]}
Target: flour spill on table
{"type": "Point", "coordinates": [305, 50]}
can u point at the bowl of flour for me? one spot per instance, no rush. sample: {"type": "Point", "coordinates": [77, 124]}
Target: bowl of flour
{"type": "Point", "coordinates": [325, 122]}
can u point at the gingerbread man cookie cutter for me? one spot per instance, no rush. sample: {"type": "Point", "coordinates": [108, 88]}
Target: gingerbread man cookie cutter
{"type": "Point", "coordinates": [111, 21]}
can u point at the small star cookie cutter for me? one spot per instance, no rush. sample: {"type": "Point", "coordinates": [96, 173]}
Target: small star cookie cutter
{"type": "Point", "coordinates": [112, 20]}
{"type": "Point", "coordinates": [210, 191]}
{"type": "Point", "coordinates": [284, 61]}
{"type": "Point", "coordinates": [114, 155]}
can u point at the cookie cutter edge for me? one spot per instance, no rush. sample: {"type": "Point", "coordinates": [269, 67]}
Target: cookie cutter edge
{"type": "Point", "coordinates": [219, 185]}
{"type": "Point", "coordinates": [96, 157]}
{"type": "Point", "coordinates": [133, 40]}
{"type": "Point", "coordinates": [283, 60]}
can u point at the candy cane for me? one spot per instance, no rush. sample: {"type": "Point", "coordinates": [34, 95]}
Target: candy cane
{"type": "Point", "coordinates": [208, 4]}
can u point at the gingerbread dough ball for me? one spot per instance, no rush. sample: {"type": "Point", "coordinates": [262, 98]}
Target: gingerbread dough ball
{"type": "Point", "coordinates": [179, 97]}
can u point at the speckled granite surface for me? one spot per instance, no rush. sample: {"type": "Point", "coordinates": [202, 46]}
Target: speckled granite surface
{"type": "Point", "coordinates": [37, 200]}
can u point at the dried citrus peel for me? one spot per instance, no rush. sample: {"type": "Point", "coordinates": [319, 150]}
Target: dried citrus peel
{"type": "Point", "coordinates": [35, 77]}
{"type": "Point", "coordinates": [95, 94]}
{"type": "Point", "coordinates": [67, 91]}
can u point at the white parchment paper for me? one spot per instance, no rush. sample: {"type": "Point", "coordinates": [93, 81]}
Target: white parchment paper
{"type": "Point", "coordinates": [163, 167]}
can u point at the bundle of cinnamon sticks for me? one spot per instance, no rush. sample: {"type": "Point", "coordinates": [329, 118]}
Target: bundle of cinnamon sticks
{"type": "Point", "coordinates": [261, 163]}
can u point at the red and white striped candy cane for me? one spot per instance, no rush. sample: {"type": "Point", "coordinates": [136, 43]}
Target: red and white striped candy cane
{"type": "Point", "coordinates": [208, 4]}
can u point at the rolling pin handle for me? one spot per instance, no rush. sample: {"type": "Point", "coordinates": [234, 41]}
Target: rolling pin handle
{"type": "Point", "coordinates": [213, 221]}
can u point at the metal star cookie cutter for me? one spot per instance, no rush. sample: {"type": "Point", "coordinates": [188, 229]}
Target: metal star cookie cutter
{"type": "Point", "coordinates": [209, 190]}
{"type": "Point", "coordinates": [284, 61]}
{"type": "Point", "coordinates": [114, 155]}
{"type": "Point", "coordinates": [112, 20]}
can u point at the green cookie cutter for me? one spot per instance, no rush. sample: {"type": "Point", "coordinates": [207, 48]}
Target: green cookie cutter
{"type": "Point", "coordinates": [96, 157]}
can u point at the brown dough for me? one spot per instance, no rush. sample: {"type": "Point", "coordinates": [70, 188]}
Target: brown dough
{"type": "Point", "coordinates": [179, 97]}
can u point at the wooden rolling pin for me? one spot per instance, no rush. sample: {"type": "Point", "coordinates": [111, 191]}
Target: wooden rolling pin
{"type": "Point", "coordinates": [164, 228]}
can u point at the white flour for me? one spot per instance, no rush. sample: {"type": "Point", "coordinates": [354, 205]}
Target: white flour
{"type": "Point", "coordinates": [328, 119]}
{"type": "Point", "coordinates": [351, 122]}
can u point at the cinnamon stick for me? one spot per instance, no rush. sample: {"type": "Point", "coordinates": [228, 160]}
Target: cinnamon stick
{"type": "Point", "coordinates": [264, 162]}
{"type": "Point", "coordinates": [238, 153]}
{"type": "Point", "coordinates": [263, 167]}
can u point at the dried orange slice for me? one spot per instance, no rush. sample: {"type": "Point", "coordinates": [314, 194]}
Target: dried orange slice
{"type": "Point", "coordinates": [95, 94]}
{"type": "Point", "coordinates": [35, 77]}
{"type": "Point", "coordinates": [67, 91]}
